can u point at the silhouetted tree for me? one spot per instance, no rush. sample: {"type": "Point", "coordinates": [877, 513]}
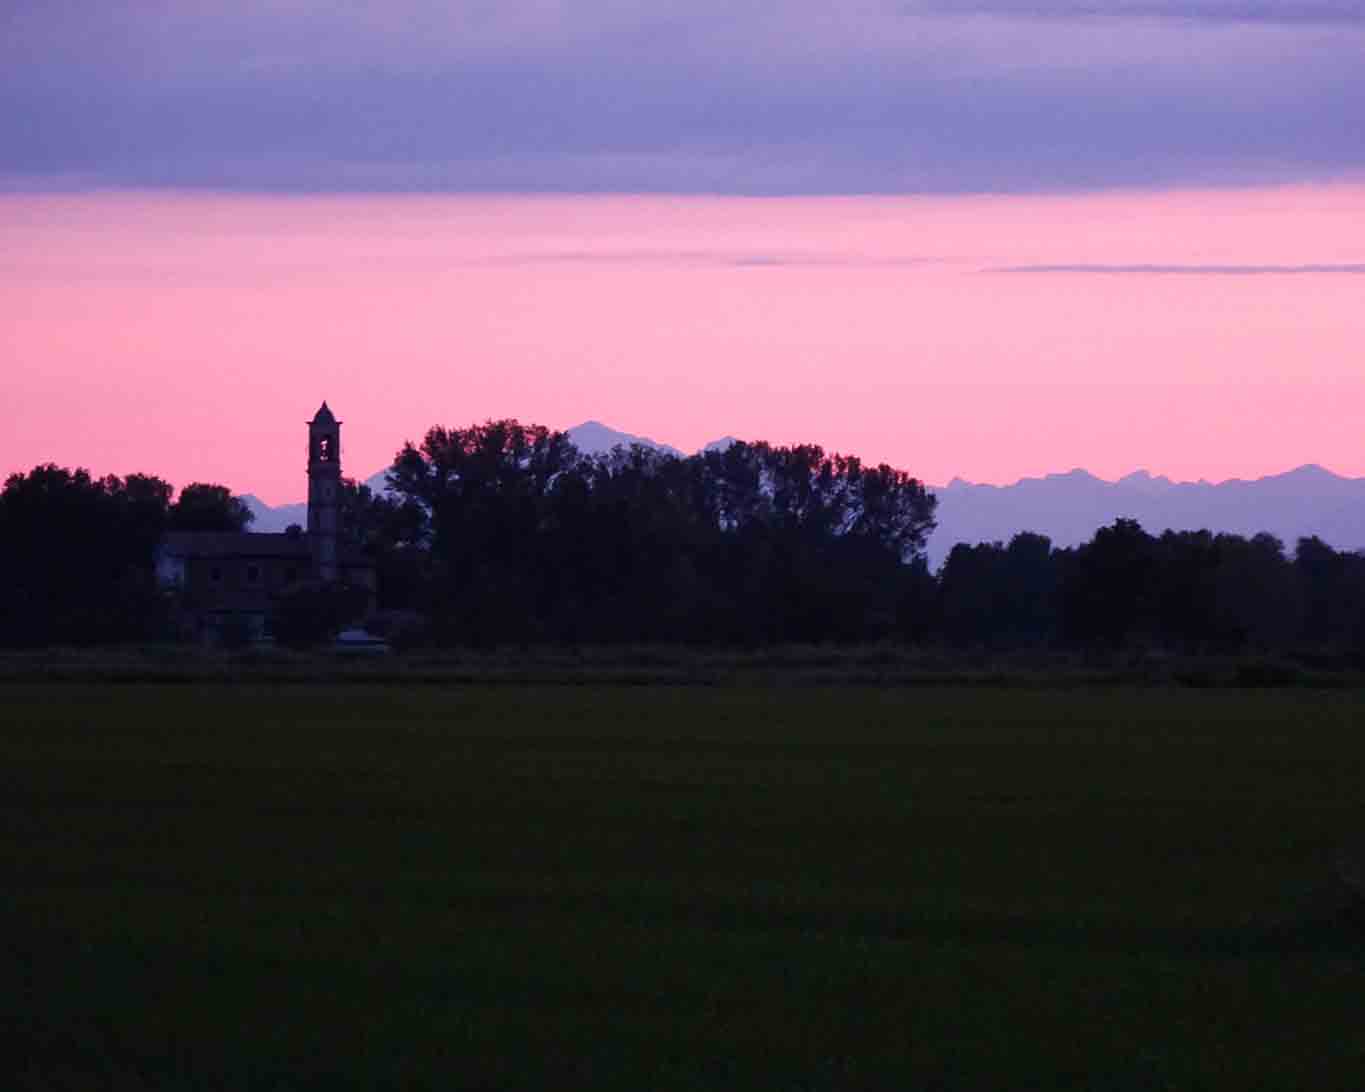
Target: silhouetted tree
{"type": "Point", "coordinates": [1333, 587]}
{"type": "Point", "coordinates": [481, 493]}
{"type": "Point", "coordinates": [1224, 592]}
{"type": "Point", "coordinates": [202, 507]}
{"type": "Point", "coordinates": [995, 595]}
{"type": "Point", "coordinates": [1258, 602]}
{"type": "Point", "coordinates": [529, 539]}
{"type": "Point", "coordinates": [970, 587]}
{"type": "Point", "coordinates": [80, 553]}
{"type": "Point", "coordinates": [392, 533]}
{"type": "Point", "coordinates": [311, 613]}
{"type": "Point", "coordinates": [504, 532]}
{"type": "Point", "coordinates": [1108, 588]}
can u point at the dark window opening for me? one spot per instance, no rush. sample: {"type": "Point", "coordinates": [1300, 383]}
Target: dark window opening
{"type": "Point", "coordinates": [215, 574]}
{"type": "Point", "coordinates": [253, 574]}
{"type": "Point", "coordinates": [290, 575]}
{"type": "Point", "coordinates": [325, 449]}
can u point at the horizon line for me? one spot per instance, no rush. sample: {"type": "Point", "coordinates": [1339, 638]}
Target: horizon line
{"type": "Point", "coordinates": [961, 482]}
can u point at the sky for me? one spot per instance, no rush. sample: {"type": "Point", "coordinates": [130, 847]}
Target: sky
{"type": "Point", "coordinates": [977, 238]}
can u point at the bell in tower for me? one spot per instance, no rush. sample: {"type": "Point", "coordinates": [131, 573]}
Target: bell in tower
{"type": "Point", "coordinates": [324, 491]}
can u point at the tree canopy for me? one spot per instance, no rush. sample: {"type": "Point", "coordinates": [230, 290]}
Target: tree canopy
{"type": "Point", "coordinates": [504, 532]}
{"type": "Point", "coordinates": [530, 539]}
{"type": "Point", "coordinates": [80, 551]}
{"type": "Point", "coordinates": [202, 507]}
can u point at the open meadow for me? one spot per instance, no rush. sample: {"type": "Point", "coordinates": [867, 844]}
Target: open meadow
{"type": "Point", "coordinates": [250, 885]}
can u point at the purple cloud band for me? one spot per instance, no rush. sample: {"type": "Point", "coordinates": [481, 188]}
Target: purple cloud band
{"type": "Point", "coordinates": [699, 96]}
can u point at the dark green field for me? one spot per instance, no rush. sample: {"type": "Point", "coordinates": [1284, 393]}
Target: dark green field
{"type": "Point", "coordinates": [245, 887]}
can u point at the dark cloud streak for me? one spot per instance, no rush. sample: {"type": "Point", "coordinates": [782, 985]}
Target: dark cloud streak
{"type": "Point", "coordinates": [671, 259]}
{"type": "Point", "coordinates": [1189, 270]}
{"type": "Point", "coordinates": [1266, 12]}
{"type": "Point", "coordinates": [693, 97]}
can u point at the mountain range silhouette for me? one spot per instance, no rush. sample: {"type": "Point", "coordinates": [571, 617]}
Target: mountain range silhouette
{"type": "Point", "coordinates": [1067, 507]}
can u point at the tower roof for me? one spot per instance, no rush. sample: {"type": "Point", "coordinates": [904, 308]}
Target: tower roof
{"type": "Point", "coordinates": [323, 416]}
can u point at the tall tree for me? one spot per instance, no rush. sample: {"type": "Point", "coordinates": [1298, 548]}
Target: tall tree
{"type": "Point", "coordinates": [1108, 590]}
{"type": "Point", "coordinates": [484, 491]}
{"type": "Point", "coordinates": [753, 543]}
{"type": "Point", "coordinates": [80, 554]}
{"type": "Point", "coordinates": [203, 507]}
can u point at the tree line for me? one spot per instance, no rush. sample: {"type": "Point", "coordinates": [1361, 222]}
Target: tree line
{"type": "Point", "coordinates": [505, 533]}
{"type": "Point", "coordinates": [523, 538]}
{"type": "Point", "coordinates": [78, 552]}
{"type": "Point", "coordinates": [1182, 591]}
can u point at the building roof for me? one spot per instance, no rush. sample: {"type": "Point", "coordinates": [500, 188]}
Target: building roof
{"type": "Point", "coordinates": [225, 544]}
{"type": "Point", "coordinates": [324, 416]}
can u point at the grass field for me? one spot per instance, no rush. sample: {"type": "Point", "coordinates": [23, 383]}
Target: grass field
{"type": "Point", "coordinates": [279, 887]}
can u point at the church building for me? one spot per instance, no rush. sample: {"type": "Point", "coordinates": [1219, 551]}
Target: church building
{"type": "Point", "coordinates": [237, 578]}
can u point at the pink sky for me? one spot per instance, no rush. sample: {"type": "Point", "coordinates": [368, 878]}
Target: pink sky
{"type": "Point", "coordinates": [191, 335]}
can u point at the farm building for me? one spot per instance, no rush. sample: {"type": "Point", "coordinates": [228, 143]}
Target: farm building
{"type": "Point", "coordinates": [238, 578]}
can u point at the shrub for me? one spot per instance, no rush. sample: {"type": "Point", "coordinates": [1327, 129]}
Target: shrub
{"type": "Point", "coordinates": [314, 613]}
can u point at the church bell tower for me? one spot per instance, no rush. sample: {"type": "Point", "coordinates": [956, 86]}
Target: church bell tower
{"type": "Point", "coordinates": [324, 491]}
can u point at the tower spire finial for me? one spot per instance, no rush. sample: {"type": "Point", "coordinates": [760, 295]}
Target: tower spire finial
{"type": "Point", "coordinates": [324, 490]}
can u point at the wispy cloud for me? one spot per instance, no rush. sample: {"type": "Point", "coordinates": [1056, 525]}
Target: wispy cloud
{"type": "Point", "coordinates": [1281, 12]}
{"type": "Point", "coordinates": [1188, 270]}
{"type": "Point", "coordinates": [711, 259]}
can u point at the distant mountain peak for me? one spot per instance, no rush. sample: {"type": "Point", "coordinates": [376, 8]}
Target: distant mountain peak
{"type": "Point", "coordinates": [595, 438]}
{"type": "Point", "coordinates": [1075, 474]}
{"type": "Point", "coordinates": [1067, 507]}
{"type": "Point", "coordinates": [1145, 480]}
{"type": "Point", "coordinates": [268, 518]}
{"type": "Point", "coordinates": [1070, 507]}
{"type": "Point", "coordinates": [1312, 471]}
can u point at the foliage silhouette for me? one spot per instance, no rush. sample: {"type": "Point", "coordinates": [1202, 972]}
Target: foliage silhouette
{"type": "Point", "coordinates": [79, 552]}
{"type": "Point", "coordinates": [202, 507]}
{"type": "Point", "coordinates": [311, 613]}
{"type": "Point", "coordinates": [530, 540]}
{"type": "Point", "coordinates": [504, 533]}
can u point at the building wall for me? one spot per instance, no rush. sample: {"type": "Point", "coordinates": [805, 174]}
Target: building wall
{"type": "Point", "coordinates": [170, 570]}
{"type": "Point", "coordinates": [242, 583]}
